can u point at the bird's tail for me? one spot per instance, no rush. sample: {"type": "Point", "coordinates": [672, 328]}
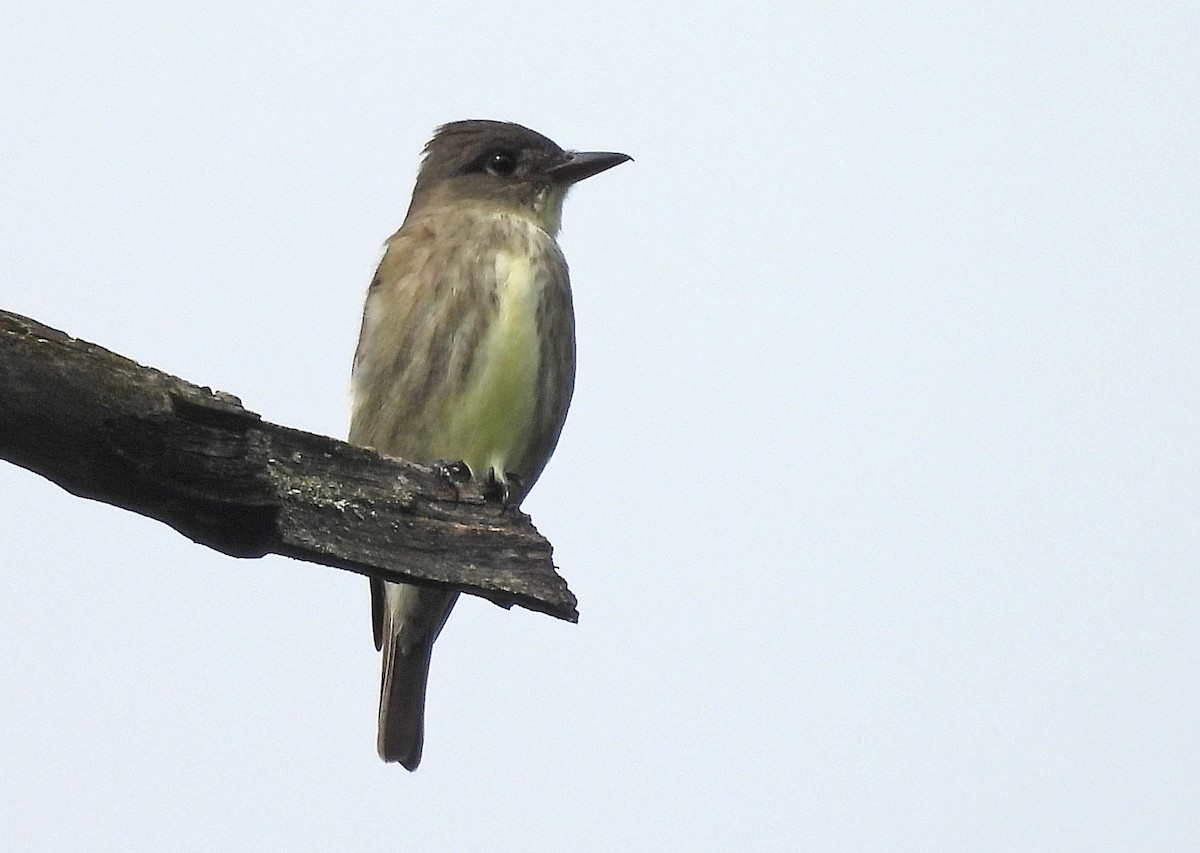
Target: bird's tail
{"type": "Point", "coordinates": [408, 636]}
{"type": "Point", "coordinates": [402, 702]}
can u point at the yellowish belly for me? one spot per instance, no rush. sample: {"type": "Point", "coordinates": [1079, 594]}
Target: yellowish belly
{"type": "Point", "coordinates": [489, 425]}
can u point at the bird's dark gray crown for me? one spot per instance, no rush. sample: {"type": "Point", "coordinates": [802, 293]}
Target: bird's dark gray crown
{"type": "Point", "coordinates": [481, 157]}
{"type": "Point", "coordinates": [464, 147]}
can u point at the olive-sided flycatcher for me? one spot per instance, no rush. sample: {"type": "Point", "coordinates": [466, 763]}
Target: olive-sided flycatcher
{"type": "Point", "coordinates": [467, 351]}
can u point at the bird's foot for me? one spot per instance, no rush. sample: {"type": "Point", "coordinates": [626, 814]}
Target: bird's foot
{"type": "Point", "coordinates": [506, 491]}
{"type": "Point", "coordinates": [453, 471]}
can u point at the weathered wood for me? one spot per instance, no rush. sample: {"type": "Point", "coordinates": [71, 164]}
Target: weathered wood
{"type": "Point", "coordinates": [106, 428]}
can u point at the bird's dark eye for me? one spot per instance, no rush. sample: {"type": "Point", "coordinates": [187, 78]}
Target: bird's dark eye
{"type": "Point", "coordinates": [500, 163]}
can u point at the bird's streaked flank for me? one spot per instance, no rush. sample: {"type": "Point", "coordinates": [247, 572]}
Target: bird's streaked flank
{"type": "Point", "coordinates": [467, 351]}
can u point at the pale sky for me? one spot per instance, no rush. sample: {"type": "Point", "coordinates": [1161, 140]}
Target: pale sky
{"type": "Point", "coordinates": [879, 489]}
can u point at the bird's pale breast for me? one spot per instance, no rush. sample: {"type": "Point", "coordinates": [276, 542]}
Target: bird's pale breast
{"type": "Point", "coordinates": [493, 418]}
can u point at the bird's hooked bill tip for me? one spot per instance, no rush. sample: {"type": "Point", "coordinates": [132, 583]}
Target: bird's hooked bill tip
{"type": "Point", "coordinates": [584, 164]}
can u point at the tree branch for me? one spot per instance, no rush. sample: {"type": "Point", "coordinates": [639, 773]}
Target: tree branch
{"type": "Point", "coordinates": [106, 428]}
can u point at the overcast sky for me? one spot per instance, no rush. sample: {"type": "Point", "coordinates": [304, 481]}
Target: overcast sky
{"type": "Point", "coordinates": [878, 493]}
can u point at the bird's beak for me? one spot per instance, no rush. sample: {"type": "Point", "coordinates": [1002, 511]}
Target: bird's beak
{"type": "Point", "coordinates": [584, 164]}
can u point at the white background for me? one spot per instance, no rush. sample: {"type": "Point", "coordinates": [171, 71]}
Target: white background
{"type": "Point", "coordinates": [879, 491]}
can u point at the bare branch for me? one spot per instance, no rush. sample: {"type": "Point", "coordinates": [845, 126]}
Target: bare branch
{"type": "Point", "coordinates": [106, 428]}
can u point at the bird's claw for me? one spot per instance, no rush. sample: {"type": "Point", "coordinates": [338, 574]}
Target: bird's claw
{"type": "Point", "coordinates": [455, 472]}
{"type": "Point", "coordinates": [506, 491]}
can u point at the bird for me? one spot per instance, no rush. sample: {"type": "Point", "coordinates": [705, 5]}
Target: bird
{"type": "Point", "coordinates": [466, 352]}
